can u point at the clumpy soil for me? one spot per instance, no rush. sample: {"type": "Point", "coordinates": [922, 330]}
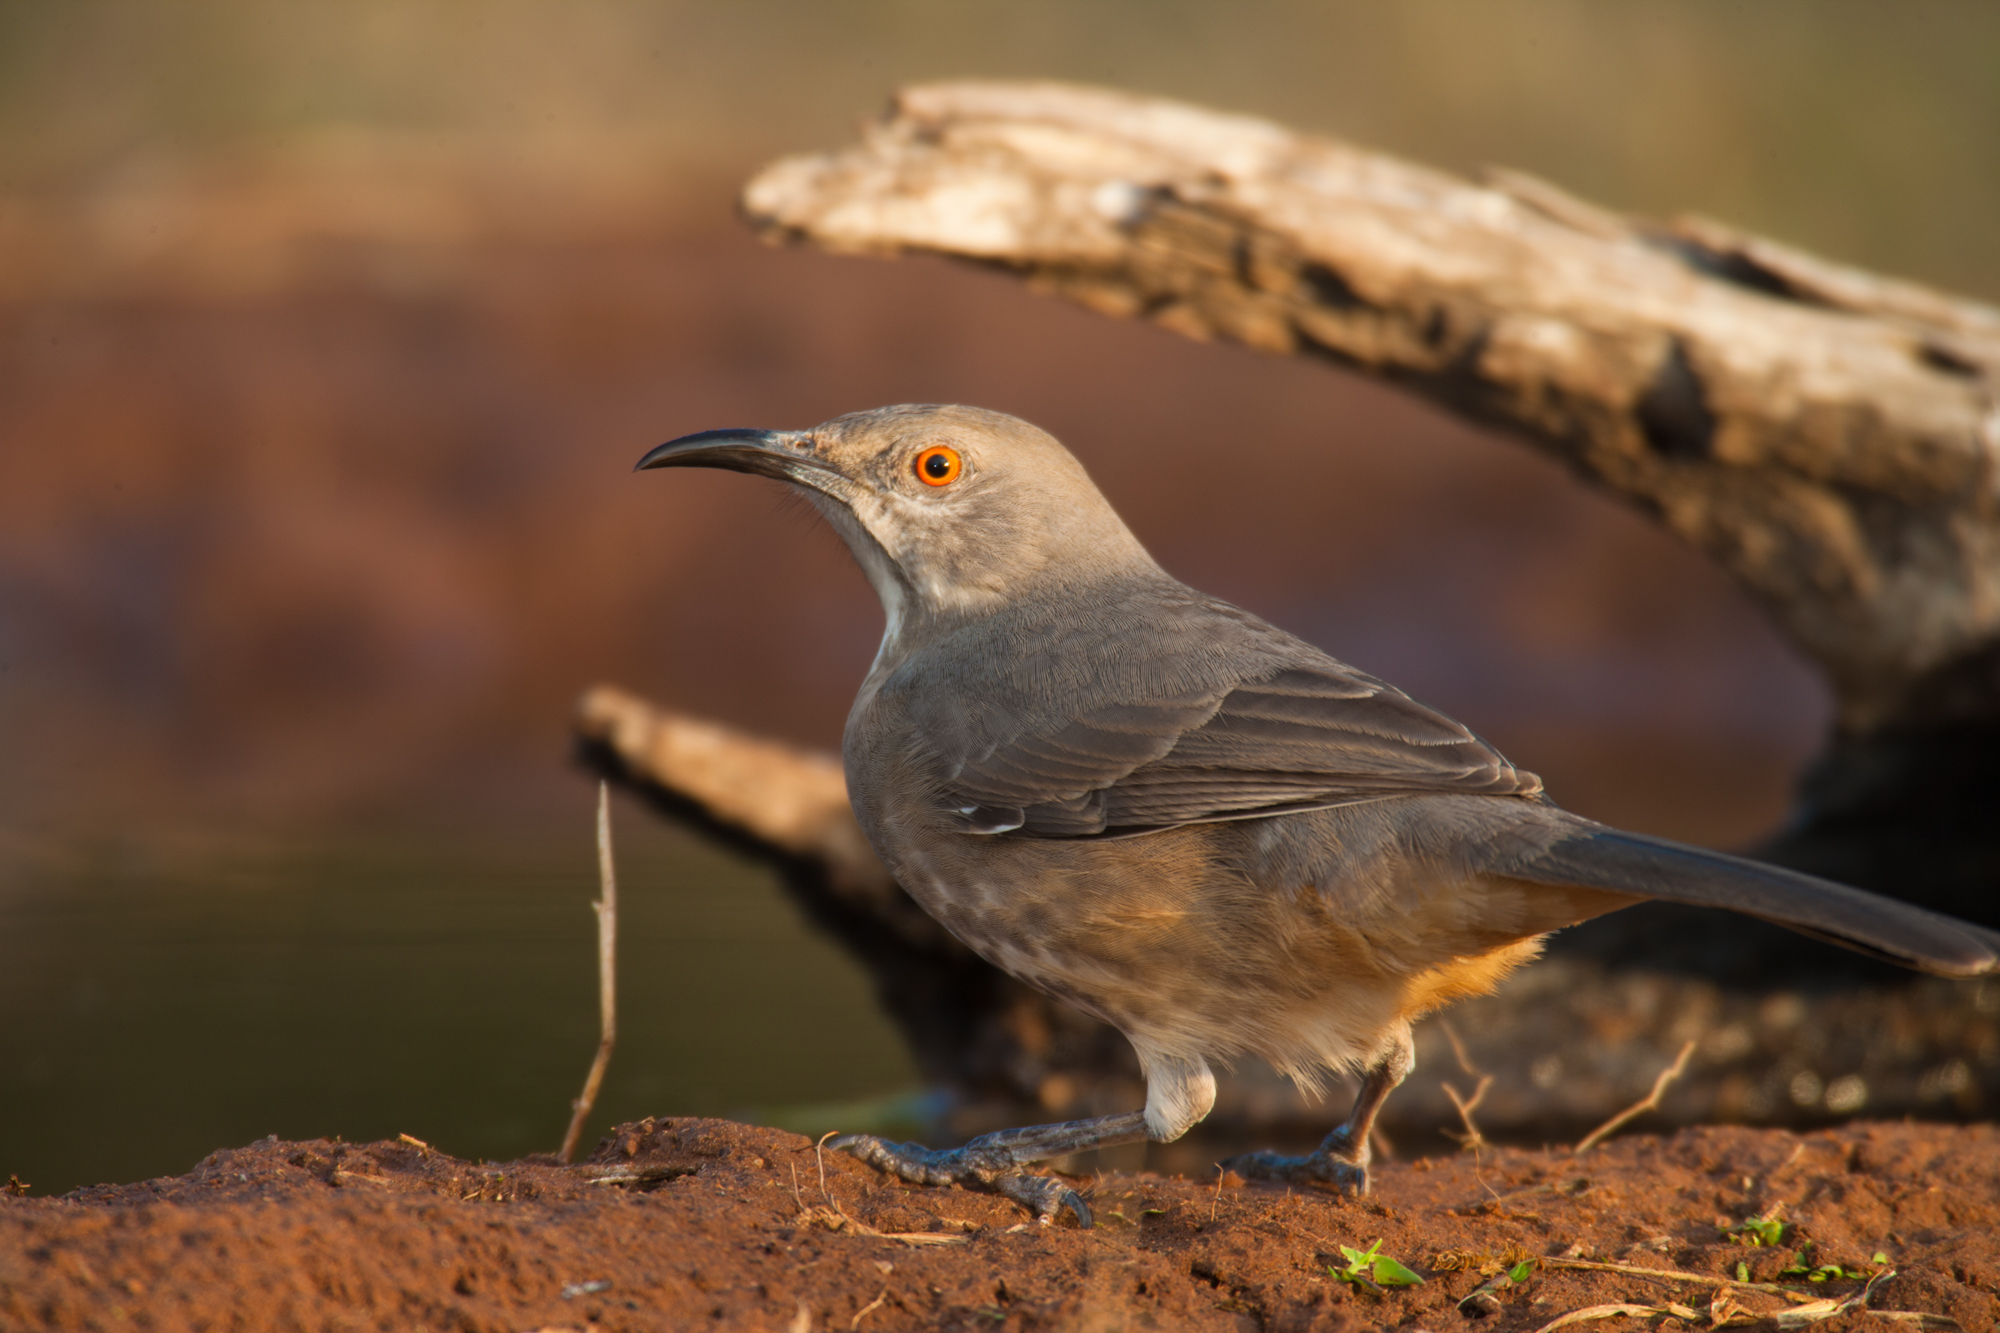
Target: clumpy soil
{"type": "Point", "coordinates": [684, 1223]}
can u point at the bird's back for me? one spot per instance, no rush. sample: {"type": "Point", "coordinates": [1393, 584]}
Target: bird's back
{"type": "Point", "coordinates": [1145, 706]}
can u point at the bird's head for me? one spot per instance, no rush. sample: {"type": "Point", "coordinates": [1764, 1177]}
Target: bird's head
{"type": "Point", "coordinates": [951, 511]}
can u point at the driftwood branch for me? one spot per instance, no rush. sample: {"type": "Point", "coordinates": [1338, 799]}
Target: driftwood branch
{"type": "Point", "coordinates": [786, 804]}
{"type": "Point", "coordinates": [1828, 436]}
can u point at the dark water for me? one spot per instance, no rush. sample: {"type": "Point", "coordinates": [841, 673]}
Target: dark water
{"type": "Point", "coordinates": [162, 999]}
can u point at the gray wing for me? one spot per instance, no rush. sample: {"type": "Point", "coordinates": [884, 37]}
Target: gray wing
{"type": "Point", "coordinates": [1300, 738]}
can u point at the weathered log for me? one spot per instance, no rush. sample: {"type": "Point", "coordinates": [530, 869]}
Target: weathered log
{"type": "Point", "coordinates": [1569, 1042]}
{"type": "Point", "coordinates": [1828, 436]}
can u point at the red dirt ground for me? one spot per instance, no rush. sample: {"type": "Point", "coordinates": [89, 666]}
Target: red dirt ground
{"type": "Point", "coordinates": [720, 1225]}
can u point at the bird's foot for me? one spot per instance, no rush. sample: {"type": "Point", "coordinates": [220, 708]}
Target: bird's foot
{"type": "Point", "coordinates": [988, 1163]}
{"type": "Point", "coordinates": [1337, 1163]}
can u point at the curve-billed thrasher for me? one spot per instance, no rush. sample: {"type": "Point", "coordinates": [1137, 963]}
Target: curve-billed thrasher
{"type": "Point", "coordinates": [1183, 821]}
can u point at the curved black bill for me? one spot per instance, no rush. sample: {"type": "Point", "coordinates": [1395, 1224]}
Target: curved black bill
{"type": "Point", "coordinates": [705, 448]}
{"type": "Point", "coordinates": [785, 455]}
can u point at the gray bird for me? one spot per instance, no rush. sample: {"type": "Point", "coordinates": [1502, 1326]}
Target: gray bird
{"type": "Point", "coordinates": [1194, 826]}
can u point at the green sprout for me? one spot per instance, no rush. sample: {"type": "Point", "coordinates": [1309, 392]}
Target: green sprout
{"type": "Point", "coordinates": [1371, 1270]}
{"type": "Point", "coordinates": [1802, 1266]}
{"type": "Point", "coordinates": [1764, 1231]}
{"type": "Point", "coordinates": [1756, 1231]}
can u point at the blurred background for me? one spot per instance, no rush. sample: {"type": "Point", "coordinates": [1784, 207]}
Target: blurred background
{"type": "Point", "coordinates": [329, 334]}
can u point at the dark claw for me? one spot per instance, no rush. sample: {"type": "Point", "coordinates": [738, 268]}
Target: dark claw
{"type": "Point", "coordinates": [1044, 1196]}
{"type": "Point", "coordinates": [1319, 1168]}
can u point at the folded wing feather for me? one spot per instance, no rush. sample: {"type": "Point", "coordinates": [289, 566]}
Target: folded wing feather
{"type": "Point", "coordinates": [1305, 738]}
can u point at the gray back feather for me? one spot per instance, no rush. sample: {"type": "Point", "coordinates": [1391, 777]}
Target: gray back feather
{"type": "Point", "coordinates": [1161, 707]}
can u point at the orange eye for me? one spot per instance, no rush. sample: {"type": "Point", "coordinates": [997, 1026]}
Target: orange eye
{"type": "Point", "coordinates": [939, 466]}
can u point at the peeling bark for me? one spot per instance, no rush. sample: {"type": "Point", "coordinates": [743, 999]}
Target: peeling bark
{"type": "Point", "coordinates": [1827, 435]}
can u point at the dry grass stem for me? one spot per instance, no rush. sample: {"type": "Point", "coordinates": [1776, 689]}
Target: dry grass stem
{"type": "Point", "coordinates": [1672, 1275]}
{"type": "Point", "coordinates": [1724, 1311]}
{"type": "Point", "coordinates": [1618, 1311]}
{"type": "Point", "coordinates": [819, 1155]}
{"type": "Point", "coordinates": [1650, 1102]}
{"type": "Point", "coordinates": [1471, 1140]}
{"type": "Point", "coordinates": [607, 974]}
{"type": "Point", "coordinates": [1465, 1064]}
{"type": "Point", "coordinates": [869, 1308]}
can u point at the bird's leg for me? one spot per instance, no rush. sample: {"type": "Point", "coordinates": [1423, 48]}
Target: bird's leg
{"type": "Point", "coordinates": [993, 1161]}
{"type": "Point", "coordinates": [1179, 1092]}
{"type": "Point", "coordinates": [1341, 1160]}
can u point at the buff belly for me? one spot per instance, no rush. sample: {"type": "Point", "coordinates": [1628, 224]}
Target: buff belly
{"type": "Point", "coordinates": [1173, 939]}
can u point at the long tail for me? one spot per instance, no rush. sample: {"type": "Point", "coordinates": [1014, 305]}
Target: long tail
{"type": "Point", "coordinates": [1602, 858]}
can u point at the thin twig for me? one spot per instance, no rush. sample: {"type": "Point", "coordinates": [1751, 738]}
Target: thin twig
{"type": "Point", "coordinates": [1724, 1312]}
{"type": "Point", "coordinates": [1669, 1275]}
{"type": "Point", "coordinates": [869, 1308]}
{"type": "Point", "coordinates": [1616, 1312]}
{"type": "Point", "coordinates": [1472, 1140]}
{"type": "Point", "coordinates": [607, 973]}
{"type": "Point", "coordinates": [819, 1152]}
{"type": "Point", "coordinates": [1650, 1102]}
{"type": "Point", "coordinates": [1458, 1050]}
